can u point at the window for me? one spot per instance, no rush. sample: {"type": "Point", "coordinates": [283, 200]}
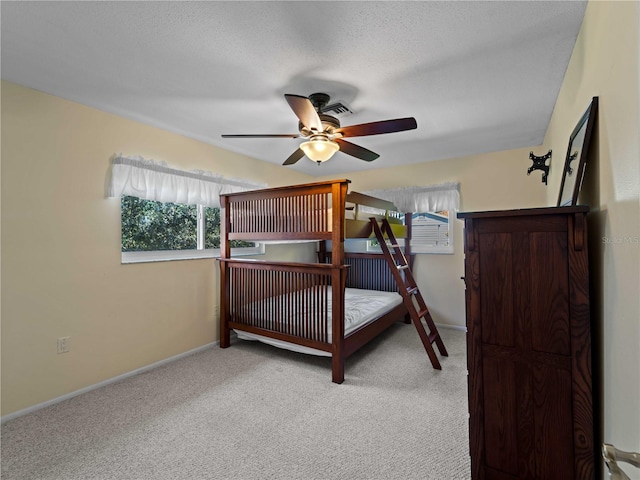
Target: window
{"type": "Point", "coordinates": [169, 214]}
{"type": "Point", "coordinates": [155, 231]}
{"type": "Point", "coordinates": [433, 225]}
{"type": "Point", "coordinates": [148, 225]}
{"type": "Point", "coordinates": [432, 232]}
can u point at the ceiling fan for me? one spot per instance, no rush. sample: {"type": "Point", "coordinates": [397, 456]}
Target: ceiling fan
{"type": "Point", "coordinates": [324, 134]}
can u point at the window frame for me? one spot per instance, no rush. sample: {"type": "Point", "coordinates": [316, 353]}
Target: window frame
{"type": "Point", "coordinates": [427, 249]}
{"type": "Point", "coordinates": [433, 249]}
{"type": "Point", "coordinates": [187, 254]}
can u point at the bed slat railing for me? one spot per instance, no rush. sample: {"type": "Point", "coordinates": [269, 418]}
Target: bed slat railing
{"type": "Point", "coordinates": [369, 271]}
{"type": "Point", "coordinates": [266, 296]}
{"type": "Point", "coordinates": [302, 212]}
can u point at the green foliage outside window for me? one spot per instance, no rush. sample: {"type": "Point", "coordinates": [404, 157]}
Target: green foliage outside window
{"type": "Point", "coordinates": [149, 226]}
{"type": "Point", "coordinates": [212, 228]}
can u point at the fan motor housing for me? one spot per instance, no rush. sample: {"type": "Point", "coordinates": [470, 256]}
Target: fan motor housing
{"type": "Point", "coordinates": [328, 120]}
{"type": "Point", "coordinates": [329, 124]}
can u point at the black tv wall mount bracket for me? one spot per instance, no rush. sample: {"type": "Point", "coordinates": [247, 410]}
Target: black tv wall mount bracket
{"type": "Point", "coordinates": [539, 163]}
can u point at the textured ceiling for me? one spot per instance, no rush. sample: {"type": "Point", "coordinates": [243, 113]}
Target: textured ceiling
{"type": "Point", "coordinates": [477, 76]}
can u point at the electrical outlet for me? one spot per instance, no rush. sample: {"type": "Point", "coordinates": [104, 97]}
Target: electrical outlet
{"type": "Point", "coordinates": [64, 344]}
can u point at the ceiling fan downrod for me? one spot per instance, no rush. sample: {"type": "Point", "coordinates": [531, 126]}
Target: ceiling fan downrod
{"type": "Point", "coordinates": [319, 101]}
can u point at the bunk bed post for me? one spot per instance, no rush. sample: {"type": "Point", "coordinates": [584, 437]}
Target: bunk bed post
{"type": "Point", "coordinates": [408, 222]}
{"type": "Point", "coordinates": [338, 279]}
{"type": "Point", "coordinates": [338, 203]}
{"type": "Point", "coordinates": [225, 253]}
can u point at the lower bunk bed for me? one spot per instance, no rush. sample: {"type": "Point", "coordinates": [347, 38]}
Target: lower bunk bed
{"type": "Point", "coordinates": [330, 308]}
{"type": "Point", "coordinates": [361, 307]}
{"type": "Point", "coordinates": [293, 306]}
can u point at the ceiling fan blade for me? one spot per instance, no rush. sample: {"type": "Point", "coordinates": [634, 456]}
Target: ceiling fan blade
{"type": "Point", "coordinates": [376, 128]}
{"type": "Point", "coordinates": [304, 110]}
{"type": "Point", "coordinates": [294, 157]}
{"type": "Point", "coordinates": [267, 135]}
{"type": "Point", "coordinates": [356, 150]}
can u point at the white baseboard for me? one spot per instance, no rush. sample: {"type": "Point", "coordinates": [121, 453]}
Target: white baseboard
{"type": "Point", "coordinates": [109, 381]}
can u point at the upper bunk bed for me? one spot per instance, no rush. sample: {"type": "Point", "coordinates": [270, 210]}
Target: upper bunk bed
{"type": "Point", "coordinates": [305, 212]}
{"type": "Point", "coordinates": [303, 304]}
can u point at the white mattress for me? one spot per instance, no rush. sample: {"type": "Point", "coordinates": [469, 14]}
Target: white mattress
{"type": "Point", "coordinates": [361, 307]}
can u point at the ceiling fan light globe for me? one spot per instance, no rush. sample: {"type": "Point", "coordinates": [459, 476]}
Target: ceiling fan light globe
{"type": "Point", "coordinates": [319, 150]}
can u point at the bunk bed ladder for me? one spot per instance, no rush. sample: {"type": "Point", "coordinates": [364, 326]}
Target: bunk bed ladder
{"type": "Point", "coordinates": [409, 290]}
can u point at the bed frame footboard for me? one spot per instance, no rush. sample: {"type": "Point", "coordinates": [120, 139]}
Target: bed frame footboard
{"type": "Point", "coordinates": [286, 301]}
{"type": "Point", "coordinates": [289, 302]}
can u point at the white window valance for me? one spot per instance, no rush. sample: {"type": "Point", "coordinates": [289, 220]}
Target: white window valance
{"type": "Point", "coordinates": [153, 180]}
{"type": "Point", "coordinates": [432, 198]}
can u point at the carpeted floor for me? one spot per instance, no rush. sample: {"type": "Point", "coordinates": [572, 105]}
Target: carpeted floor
{"type": "Point", "coordinates": [256, 412]}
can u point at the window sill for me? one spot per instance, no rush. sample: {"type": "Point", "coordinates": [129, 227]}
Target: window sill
{"type": "Point", "coordinates": [171, 255]}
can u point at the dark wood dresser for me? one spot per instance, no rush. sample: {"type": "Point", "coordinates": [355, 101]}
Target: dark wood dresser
{"type": "Point", "coordinates": [529, 344]}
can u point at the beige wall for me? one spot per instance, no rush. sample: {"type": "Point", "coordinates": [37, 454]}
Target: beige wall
{"type": "Point", "coordinates": [605, 63]}
{"type": "Point", "coordinates": [61, 270]}
{"type": "Point", "coordinates": [493, 181]}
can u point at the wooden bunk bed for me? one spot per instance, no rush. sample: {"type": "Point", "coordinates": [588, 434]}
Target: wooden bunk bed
{"type": "Point", "coordinates": [303, 304]}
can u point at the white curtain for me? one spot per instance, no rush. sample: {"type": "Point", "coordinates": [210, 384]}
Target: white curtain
{"type": "Point", "coordinates": [152, 180]}
{"type": "Point", "coordinates": [433, 198]}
